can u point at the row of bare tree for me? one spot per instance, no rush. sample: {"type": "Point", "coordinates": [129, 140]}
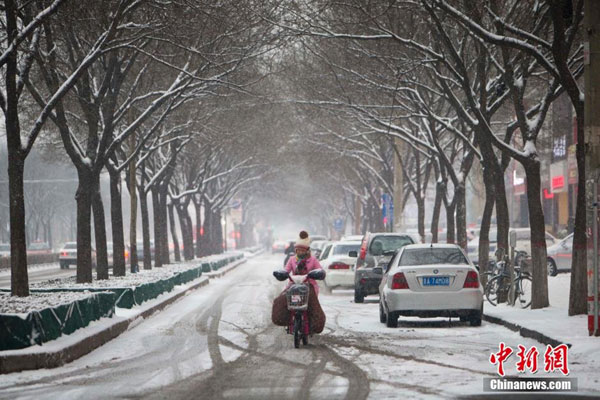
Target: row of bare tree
{"type": "Point", "coordinates": [132, 87]}
{"type": "Point", "coordinates": [441, 84]}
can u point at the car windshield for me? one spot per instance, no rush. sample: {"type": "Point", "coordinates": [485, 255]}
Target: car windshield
{"type": "Point", "coordinates": [432, 255]}
{"type": "Point", "coordinates": [389, 243]}
{"type": "Point", "coordinates": [344, 249]}
{"type": "Point", "coordinates": [71, 246]}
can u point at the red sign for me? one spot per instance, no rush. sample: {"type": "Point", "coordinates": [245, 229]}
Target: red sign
{"type": "Point", "coordinates": [558, 182]}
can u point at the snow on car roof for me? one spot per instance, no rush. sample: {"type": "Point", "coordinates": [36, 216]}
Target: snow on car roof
{"type": "Point", "coordinates": [432, 245]}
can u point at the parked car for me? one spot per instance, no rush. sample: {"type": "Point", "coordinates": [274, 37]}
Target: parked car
{"type": "Point", "coordinates": [376, 250]}
{"type": "Point", "coordinates": [39, 248]}
{"type": "Point", "coordinates": [430, 280]}
{"type": "Point", "coordinates": [314, 238]}
{"type": "Point", "coordinates": [340, 265]}
{"type": "Point", "coordinates": [4, 249]}
{"type": "Point", "coordinates": [325, 252]}
{"type": "Point", "coordinates": [524, 239]}
{"type": "Point", "coordinates": [68, 256]}
{"type": "Point", "coordinates": [473, 247]}
{"type": "Point", "coordinates": [560, 256]}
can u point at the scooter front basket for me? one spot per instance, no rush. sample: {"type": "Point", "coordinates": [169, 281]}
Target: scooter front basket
{"type": "Point", "coordinates": [297, 297]}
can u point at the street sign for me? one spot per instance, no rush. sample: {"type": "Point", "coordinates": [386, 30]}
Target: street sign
{"type": "Point", "coordinates": [338, 224]}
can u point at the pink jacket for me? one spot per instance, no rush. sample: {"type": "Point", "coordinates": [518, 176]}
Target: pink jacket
{"type": "Point", "coordinates": [311, 263]}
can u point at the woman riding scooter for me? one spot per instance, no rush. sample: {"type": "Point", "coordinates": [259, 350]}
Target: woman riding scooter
{"type": "Point", "coordinates": [302, 264]}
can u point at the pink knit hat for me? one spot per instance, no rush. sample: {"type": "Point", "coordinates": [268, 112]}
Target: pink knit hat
{"type": "Point", "coordinates": [303, 242]}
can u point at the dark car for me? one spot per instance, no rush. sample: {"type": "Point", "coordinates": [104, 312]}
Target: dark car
{"type": "Point", "coordinates": [375, 252]}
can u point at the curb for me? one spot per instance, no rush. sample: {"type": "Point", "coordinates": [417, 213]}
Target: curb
{"type": "Point", "coordinates": [219, 273]}
{"type": "Point", "coordinates": [16, 362]}
{"type": "Point", "coordinates": [524, 332]}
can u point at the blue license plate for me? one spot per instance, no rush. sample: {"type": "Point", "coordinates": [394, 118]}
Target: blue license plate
{"type": "Point", "coordinates": [436, 281]}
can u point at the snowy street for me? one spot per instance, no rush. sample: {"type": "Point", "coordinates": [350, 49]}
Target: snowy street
{"type": "Point", "coordinates": [39, 274]}
{"type": "Point", "coordinates": [219, 342]}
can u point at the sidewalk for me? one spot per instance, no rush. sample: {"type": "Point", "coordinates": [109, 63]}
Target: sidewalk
{"type": "Point", "coordinates": [551, 325]}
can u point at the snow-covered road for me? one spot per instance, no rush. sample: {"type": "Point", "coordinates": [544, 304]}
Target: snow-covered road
{"type": "Point", "coordinates": [39, 274]}
{"type": "Point", "coordinates": [219, 342]}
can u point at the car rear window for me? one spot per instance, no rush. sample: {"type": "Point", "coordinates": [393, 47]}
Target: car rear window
{"type": "Point", "coordinates": [344, 249]}
{"type": "Point", "coordinates": [71, 246]}
{"type": "Point", "coordinates": [390, 243]}
{"type": "Point", "coordinates": [432, 255]}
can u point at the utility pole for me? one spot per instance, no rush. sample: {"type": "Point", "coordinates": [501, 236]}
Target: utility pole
{"type": "Point", "coordinates": [591, 24]}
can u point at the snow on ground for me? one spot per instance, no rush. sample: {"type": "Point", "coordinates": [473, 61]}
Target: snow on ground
{"type": "Point", "coordinates": [36, 267]}
{"type": "Point", "coordinates": [37, 301]}
{"type": "Point", "coordinates": [129, 280]}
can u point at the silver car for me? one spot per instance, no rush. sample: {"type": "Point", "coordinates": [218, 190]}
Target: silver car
{"type": "Point", "coordinates": [430, 280]}
{"type": "Point", "coordinates": [560, 256]}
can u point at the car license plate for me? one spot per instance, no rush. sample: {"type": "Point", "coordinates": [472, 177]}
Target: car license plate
{"type": "Point", "coordinates": [296, 298]}
{"type": "Point", "coordinates": [436, 281]}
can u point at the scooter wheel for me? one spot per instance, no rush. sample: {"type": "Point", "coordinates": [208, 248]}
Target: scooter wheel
{"type": "Point", "coordinates": [297, 334]}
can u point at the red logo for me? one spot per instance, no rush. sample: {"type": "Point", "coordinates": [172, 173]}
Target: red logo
{"type": "Point", "coordinates": [555, 358]}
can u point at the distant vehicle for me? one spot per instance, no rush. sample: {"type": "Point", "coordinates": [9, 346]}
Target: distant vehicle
{"type": "Point", "coordinates": [140, 250]}
{"type": "Point", "coordinates": [430, 280]}
{"type": "Point", "coordinates": [314, 238]}
{"type": "Point", "coordinates": [560, 256]}
{"type": "Point", "coordinates": [317, 246]}
{"type": "Point", "coordinates": [340, 265]}
{"type": "Point", "coordinates": [68, 256]}
{"type": "Point", "coordinates": [110, 253]}
{"type": "Point", "coordinates": [376, 250]}
{"type": "Point", "coordinates": [279, 246]}
{"type": "Point", "coordinates": [351, 238]}
{"type": "Point", "coordinates": [4, 250]}
{"type": "Point", "coordinates": [523, 243]}
{"type": "Point", "coordinates": [325, 252]}
{"type": "Point", "coordinates": [39, 248]}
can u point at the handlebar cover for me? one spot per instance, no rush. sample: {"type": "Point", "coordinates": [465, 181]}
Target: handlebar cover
{"type": "Point", "coordinates": [317, 274]}
{"type": "Point", "coordinates": [281, 275]}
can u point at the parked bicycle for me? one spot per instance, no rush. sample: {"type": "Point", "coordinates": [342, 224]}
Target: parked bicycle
{"type": "Point", "coordinates": [499, 284]}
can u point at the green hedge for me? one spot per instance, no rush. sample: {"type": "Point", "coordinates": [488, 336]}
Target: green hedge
{"type": "Point", "coordinates": [37, 327]}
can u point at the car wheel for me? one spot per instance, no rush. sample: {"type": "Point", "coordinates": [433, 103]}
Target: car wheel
{"type": "Point", "coordinates": [552, 270]}
{"type": "Point", "coordinates": [382, 315]}
{"type": "Point", "coordinates": [391, 320]}
{"type": "Point", "coordinates": [359, 296]}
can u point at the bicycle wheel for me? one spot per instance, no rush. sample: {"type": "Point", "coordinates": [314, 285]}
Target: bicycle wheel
{"type": "Point", "coordinates": [523, 290]}
{"type": "Point", "coordinates": [492, 288]}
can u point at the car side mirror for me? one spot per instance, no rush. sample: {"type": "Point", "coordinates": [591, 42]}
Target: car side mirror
{"type": "Point", "coordinates": [378, 270]}
{"type": "Point", "coordinates": [353, 254]}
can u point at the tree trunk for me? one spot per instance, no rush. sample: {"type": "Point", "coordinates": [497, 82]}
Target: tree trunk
{"type": "Point", "coordinates": [145, 228]}
{"type": "Point", "coordinates": [174, 232]}
{"type": "Point", "coordinates": [19, 280]}
{"type": "Point", "coordinates": [185, 222]}
{"type": "Point", "coordinates": [116, 218]}
{"type": "Point", "coordinates": [198, 208]}
{"type": "Point", "coordinates": [133, 251]}
{"type": "Point", "coordinates": [207, 228]}
{"type": "Point", "coordinates": [435, 215]}
{"type": "Point", "coordinates": [450, 221]}
{"type": "Point", "coordinates": [461, 215]}
{"type": "Point", "coordinates": [83, 197]}
{"type": "Point", "coordinates": [156, 214]}
{"type": "Point", "coordinates": [100, 232]}
{"type": "Point", "coordinates": [164, 225]}
{"type": "Point", "coordinates": [218, 233]}
{"type": "Point", "coordinates": [539, 296]}
{"type": "Point", "coordinates": [579, 283]}
{"type": "Point", "coordinates": [486, 218]}
{"type": "Point", "coordinates": [421, 216]}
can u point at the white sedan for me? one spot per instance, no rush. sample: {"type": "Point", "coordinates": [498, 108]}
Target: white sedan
{"type": "Point", "coordinates": [339, 265]}
{"type": "Point", "coordinates": [430, 280]}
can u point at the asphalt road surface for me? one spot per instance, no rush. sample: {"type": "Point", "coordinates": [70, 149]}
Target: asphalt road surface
{"type": "Point", "coordinates": [219, 342]}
